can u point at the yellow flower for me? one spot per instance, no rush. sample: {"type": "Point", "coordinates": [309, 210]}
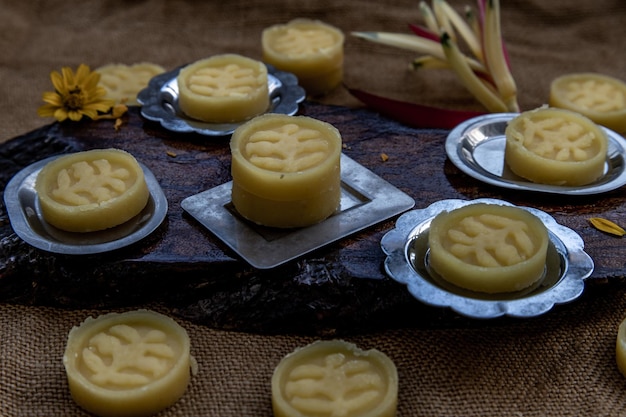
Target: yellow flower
{"type": "Point", "coordinates": [76, 95]}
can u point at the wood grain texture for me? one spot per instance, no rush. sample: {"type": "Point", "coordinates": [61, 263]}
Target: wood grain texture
{"type": "Point", "coordinates": [337, 289]}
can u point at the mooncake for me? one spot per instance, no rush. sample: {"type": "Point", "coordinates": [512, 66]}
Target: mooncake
{"type": "Point", "coordinates": [488, 248]}
{"type": "Point", "coordinates": [335, 378]}
{"type": "Point", "coordinates": [130, 364]}
{"type": "Point", "coordinates": [123, 82]}
{"type": "Point", "coordinates": [224, 88]}
{"type": "Point", "coordinates": [286, 170]}
{"type": "Point", "coordinates": [91, 190]}
{"type": "Point", "coordinates": [310, 49]}
{"type": "Point", "coordinates": [555, 146]}
{"type": "Point", "coordinates": [599, 97]}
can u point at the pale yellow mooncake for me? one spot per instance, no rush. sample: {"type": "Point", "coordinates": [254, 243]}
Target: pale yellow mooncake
{"type": "Point", "coordinates": [488, 248]}
{"type": "Point", "coordinates": [223, 89]}
{"type": "Point", "coordinates": [286, 170]}
{"type": "Point", "coordinates": [131, 364]}
{"type": "Point", "coordinates": [335, 378]}
{"type": "Point", "coordinates": [599, 97]}
{"type": "Point", "coordinates": [555, 146]}
{"type": "Point", "coordinates": [91, 190]}
{"type": "Point", "coordinates": [123, 82]}
{"type": "Point", "coordinates": [310, 49]}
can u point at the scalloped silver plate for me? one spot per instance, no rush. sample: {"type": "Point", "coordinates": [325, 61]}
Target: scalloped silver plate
{"type": "Point", "coordinates": [406, 246]}
{"type": "Point", "coordinates": [159, 101]}
{"type": "Point", "coordinates": [20, 199]}
{"type": "Point", "coordinates": [476, 147]}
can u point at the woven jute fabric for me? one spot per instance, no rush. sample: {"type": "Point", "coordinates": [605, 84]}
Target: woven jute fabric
{"type": "Point", "coordinates": [544, 40]}
{"type": "Point", "coordinates": [558, 364]}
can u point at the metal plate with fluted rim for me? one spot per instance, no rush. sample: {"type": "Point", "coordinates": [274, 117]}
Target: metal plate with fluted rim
{"type": "Point", "coordinates": [159, 102]}
{"type": "Point", "coordinates": [366, 199]}
{"type": "Point", "coordinates": [20, 199]}
{"type": "Point", "coordinates": [477, 145]}
{"type": "Point", "coordinates": [406, 246]}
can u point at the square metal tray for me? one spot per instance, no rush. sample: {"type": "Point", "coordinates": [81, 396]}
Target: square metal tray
{"type": "Point", "coordinates": [366, 199]}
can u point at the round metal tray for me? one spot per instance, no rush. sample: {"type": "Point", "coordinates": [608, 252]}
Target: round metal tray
{"type": "Point", "coordinates": [20, 199]}
{"type": "Point", "coordinates": [476, 147]}
{"type": "Point", "coordinates": [406, 246]}
{"type": "Point", "coordinates": [159, 102]}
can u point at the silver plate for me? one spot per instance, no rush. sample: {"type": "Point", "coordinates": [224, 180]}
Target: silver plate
{"type": "Point", "coordinates": [20, 199]}
{"type": "Point", "coordinates": [366, 199]}
{"type": "Point", "coordinates": [406, 246]}
{"type": "Point", "coordinates": [160, 102]}
{"type": "Point", "coordinates": [476, 147]}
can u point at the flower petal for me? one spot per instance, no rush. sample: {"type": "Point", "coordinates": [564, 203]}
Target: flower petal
{"type": "Point", "coordinates": [52, 98]}
{"type": "Point", "coordinates": [91, 113]}
{"type": "Point", "coordinates": [58, 82]}
{"type": "Point", "coordinates": [82, 73]}
{"type": "Point", "coordinates": [75, 115]}
{"type": "Point", "coordinates": [103, 106]}
{"type": "Point", "coordinates": [76, 94]}
{"type": "Point", "coordinates": [68, 77]}
{"type": "Point", "coordinates": [119, 109]}
{"type": "Point", "coordinates": [47, 110]}
{"type": "Point", "coordinates": [99, 91]}
{"type": "Point", "coordinates": [60, 114]}
{"type": "Point", "coordinates": [607, 226]}
{"type": "Point", "coordinates": [90, 83]}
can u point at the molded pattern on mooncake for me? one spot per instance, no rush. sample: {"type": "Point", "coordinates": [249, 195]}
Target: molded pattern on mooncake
{"type": "Point", "coordinates": [128, 364]}
{"type": "Point", "coordinates": [599, 97]}
{"type": "Point", "coordinates": [123, 82]}
{"type": "Point", "coordinates": [286, 170]}
{"type": "Point", "coordinates": [223, 89]}
{"type": "Point", "coordinates": [310, 49]}
{"type": "Point", "coordinates": [556, 146]}
{"type": "Point", "coordinates": [488, 248]}
{"type": "Point", "coordinates": [335, 378]}
{"type": "Point", "coordinates": [91, 190]}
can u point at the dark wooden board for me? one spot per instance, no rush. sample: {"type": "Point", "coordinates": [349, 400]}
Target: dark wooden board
{"type": "Point", "coordinates": [337, 289]}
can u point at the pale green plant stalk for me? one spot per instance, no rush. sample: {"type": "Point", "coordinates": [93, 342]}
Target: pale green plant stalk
{"type": "Point", "coordinates": [495, 59]}
{"type": "Point", "coordinates": [484, 72]}
{"type": "Point", "coordinates": [470, 80]}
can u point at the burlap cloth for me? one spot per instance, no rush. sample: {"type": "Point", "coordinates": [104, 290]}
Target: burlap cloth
{"type": "Point", "coordinates": [562, 363]}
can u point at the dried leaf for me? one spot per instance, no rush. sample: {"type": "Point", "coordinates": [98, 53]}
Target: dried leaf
{"type": "Point", "coordinates": [607, 226]}
{"type": "Point", "coordinates": [384, 157]}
